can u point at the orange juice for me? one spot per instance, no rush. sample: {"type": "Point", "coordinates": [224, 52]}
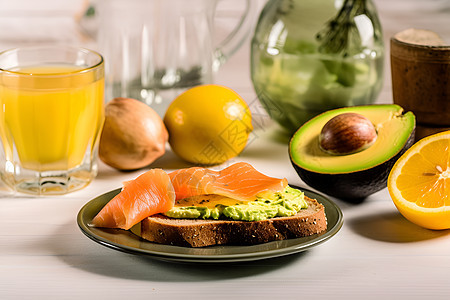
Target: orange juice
{"type": "Point", "coordinates": [52, 115]}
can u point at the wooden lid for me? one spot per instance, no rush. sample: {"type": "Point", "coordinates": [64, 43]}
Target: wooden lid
{"type": "Point", "coordinates": [421, 45]}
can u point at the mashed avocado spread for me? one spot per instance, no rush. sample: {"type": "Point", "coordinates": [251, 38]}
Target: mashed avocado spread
{"type": "Point", "coordinates": [269, 205]}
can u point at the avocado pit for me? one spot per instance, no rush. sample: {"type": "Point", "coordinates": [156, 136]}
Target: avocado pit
{"type": "Point", "coordinates": [347, 133]}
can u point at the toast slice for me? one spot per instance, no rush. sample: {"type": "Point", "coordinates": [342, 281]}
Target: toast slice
{"type": "Point", "coordinates": [204, 232]}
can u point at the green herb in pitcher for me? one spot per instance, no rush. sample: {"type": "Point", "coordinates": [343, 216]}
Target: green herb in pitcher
{"type": "Point", "coordinates": [312, 56]}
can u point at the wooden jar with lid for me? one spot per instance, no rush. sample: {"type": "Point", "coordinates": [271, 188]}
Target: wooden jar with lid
{"type": "Point", "coordinates": [420, 68]}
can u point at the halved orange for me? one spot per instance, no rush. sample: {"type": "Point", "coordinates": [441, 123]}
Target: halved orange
{"type": "Point", "coordinates": [419, 182]}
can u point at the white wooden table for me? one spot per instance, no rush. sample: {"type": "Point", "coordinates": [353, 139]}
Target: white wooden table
{"type": "Point", "coordinates": [376, 255]}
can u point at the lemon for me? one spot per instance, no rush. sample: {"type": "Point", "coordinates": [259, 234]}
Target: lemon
{"type": "Point", "coordinates": [419, 182]}
{"type": "Point", "coordinates": [208, 124]}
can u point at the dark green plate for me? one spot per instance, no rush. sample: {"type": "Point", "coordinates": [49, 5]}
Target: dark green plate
{"type": "Point", "coordinates": [128, 242]}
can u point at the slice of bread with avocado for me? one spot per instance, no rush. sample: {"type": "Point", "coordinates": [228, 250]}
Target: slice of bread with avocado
{"type": "Point", "coordinates": [207, 232]}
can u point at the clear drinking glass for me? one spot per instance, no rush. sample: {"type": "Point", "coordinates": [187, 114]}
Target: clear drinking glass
{"type": "Point", "coordinates": [52, 113]}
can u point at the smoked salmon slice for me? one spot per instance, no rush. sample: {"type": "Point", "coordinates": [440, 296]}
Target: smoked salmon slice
{"type": "Point", "coordinates": [155, 191]}
{"type": "Point", "coordinates": [148, 194]}
{"type": "Point", "coordinates": [239, 181]}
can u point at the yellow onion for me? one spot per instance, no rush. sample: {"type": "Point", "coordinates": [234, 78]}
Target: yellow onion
{"type": "Point", "coordinates": [133, 135]}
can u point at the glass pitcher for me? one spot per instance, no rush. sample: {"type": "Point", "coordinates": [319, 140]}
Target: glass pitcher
{"type": "Point", "coordinates": [156, 49]}
{"type": "Point", "coordinates": [309, 56]}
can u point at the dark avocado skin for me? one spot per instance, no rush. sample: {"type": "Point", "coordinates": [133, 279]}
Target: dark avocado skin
{"type": "Point", "coordinates": [356, 186]}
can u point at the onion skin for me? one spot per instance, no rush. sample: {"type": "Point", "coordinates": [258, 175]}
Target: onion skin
{"type": "Point", "coordinates": [133, 135]}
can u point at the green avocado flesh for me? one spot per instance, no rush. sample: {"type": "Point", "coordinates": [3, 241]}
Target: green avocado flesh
{"type": "Point", "coordinates": [393, 127]}
{"type": "Point", "coordinates": [280, 204]}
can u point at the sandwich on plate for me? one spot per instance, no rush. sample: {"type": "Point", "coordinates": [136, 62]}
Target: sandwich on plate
{"type": "Point", "coordinates": [199, 207]}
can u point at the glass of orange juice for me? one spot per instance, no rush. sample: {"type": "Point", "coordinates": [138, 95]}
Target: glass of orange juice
{"type": "Point", "coordinates": [51, 100]}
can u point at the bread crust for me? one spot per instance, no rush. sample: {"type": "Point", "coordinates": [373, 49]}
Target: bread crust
{"type": "Point", "coordinates": [201, 233]}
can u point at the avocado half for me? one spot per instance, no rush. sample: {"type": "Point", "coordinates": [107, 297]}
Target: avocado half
{"type": "Point", "coordinates": [358, 175]}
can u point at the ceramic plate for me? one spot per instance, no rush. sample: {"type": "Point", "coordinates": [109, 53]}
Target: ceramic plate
{"type": "Point", "coordinates": [126, 241]}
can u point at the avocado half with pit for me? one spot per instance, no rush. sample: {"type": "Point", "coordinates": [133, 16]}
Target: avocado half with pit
{"type": "Point", "coordinates": [358, 174]}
